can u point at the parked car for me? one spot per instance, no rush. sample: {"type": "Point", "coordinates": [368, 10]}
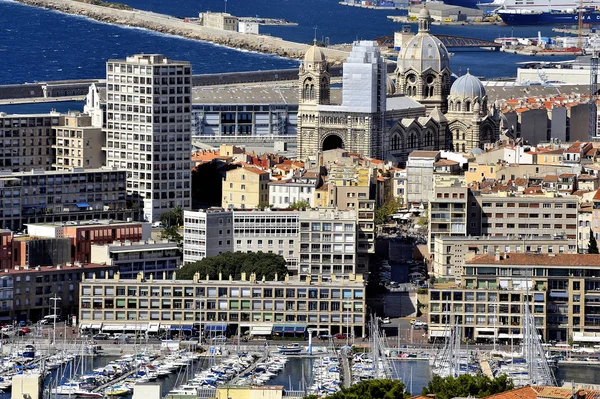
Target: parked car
{"type": "Point", "coordinates": [324, 336]}
{"type": "Point", "coordinates": [219, 338]}
{"type": "Point", "coordinates": [101, 336]}
{"type": "Point", "coordinates": [26, 330]}
{"type": "Point", "coordinates": [386, 320]}
{"type": "Point", "coordinates": [340, 336]}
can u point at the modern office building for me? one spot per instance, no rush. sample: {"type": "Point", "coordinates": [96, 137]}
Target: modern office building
{"type": "Point", "coordinates": [26, 141]}
{"type": "Point", "coordinates": [78, 143]}
{"type": "Point", "coordinates": [148, 114]}
{"type": "Point", "coordinates": [560, 289]}
{"type": "Point", "coordinates": [282, 305]}
{"type": "Point", "coordinates": [450, 253]}
{"type": "Point", "coordinates": [157, 259]}
{"type": "Point", "coordinates": [62, 196]}
{"type": "Point", "coordinates": [206, 232]}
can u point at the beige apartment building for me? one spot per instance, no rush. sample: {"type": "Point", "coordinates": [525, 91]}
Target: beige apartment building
{"type": "Point", "coordinates": [561, 291]}
{"type": "Point", "coordinates": [504, 214]}
{"type": "Point", "coordinates": [26, 141]}
{"type": "Point", "coordinates": [78, 143]}
{"type": "Point", "coordinates": [451, 253]}
{"type": "Point", "coordinates": [226, 305]}
{"type": "Point", "coordinates": [448, 210]}
{"type": "Point", "coordinates": [245, 188]}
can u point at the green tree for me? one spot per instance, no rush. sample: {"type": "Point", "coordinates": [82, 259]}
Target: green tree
{"type": "Point", "coordinates": [299, 205]}
{"type": "Point", "coordinates": [592, 245]}
{"type": "Point", "coordinates": [387, 209]}
{"type": "Point", "coordinates": [172, 218]}
{"type": "Point", "coordinates": [371, 389]}
{"type": "Point", "coordinates": [234, 263]}
{"type": "Point", "coordinates": [467, 385]}
{"type": "Point", "coordinates": [172, 234]}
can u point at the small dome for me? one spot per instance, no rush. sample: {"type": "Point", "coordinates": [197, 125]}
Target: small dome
{"type": "Point", "coordinates": [314, 55]}
{"type": "Point", "coordinates": [424, 13]}
{"type": "Point", "coordinates": [390, 87]}
{"type": "Point", "coordinates": [467, 86]}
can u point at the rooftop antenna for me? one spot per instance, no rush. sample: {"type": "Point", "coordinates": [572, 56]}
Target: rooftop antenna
{"type": "Point", "coordinates": [315, 38]}
{"type": "Point", "coordinates": [225, 6]}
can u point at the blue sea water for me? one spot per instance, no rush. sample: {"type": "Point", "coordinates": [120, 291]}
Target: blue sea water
{"type": "Point", "coordinates": [37, 44]}
{"type": "Point", "coordinates": [43, 108]}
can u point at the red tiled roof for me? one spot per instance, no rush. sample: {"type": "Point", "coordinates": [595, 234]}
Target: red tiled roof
{"type": "Point", "coordinates": [526, 392]}
{"type": "Point", "coordinates": [538, 260]}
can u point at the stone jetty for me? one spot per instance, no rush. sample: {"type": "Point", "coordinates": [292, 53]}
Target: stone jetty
{"type": "Point", "coordinates": [123, 15]}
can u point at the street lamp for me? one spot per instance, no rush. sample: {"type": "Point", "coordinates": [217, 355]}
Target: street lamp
{"type": "Point", "coordinates": [54, 299]}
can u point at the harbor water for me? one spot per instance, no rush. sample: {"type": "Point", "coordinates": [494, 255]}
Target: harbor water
{"type": "Point", "coordinates": [47, 45]}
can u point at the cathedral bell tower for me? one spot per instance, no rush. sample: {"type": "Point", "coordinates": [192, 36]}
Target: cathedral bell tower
{"type": "Point", "coordinates": [314, 77]}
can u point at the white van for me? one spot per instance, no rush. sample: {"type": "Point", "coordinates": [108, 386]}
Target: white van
{"type": "Point", "coordinates": [50, 319]}
{"type": "Point", "coordinates": [157, 225]}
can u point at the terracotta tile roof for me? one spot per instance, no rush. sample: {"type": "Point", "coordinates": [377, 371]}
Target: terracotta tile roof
{"type": "Point", "coordinates": [586, 177]}
{"type": "Point", "coordinates": [560, 260]}
{"type": "Point", "coordinates": [566, 175]}
{"type": "Point", "coordinates": [550, 178]}
{"type": "Point", "coordinates": [521, 181]}
{"type": "Point", "coordinates": [555, 392]}
{"type": "Point", "coordinates": [534, 190]}
{"type": "Point", "coordinates": [254, 169]}
{"type": "Point", "coordinates": [445, 162]}
{"type": "Point", "coordinates": [555, 152]}
{"type": "Point", "coordinates": [597, 196]}
{"type": "Point", "coordinates": [517, 393]}
{"type": "Point", "coordinates": [431, 154]}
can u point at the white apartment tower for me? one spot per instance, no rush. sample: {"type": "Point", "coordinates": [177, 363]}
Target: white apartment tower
{"type": "Point", "coordinates": [148, 112]}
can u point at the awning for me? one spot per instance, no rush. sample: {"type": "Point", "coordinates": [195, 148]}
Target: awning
{"type": "Point", "coordinates": [439, 333]}
{"type": "Point", "coordinates": [485, 330]}
{"type": "Point", "coordinates": [559, 294]}
{"type": "Point", "coordinates": [506, 336]}
{"type": "Point", "coordinates": [289, 328]}
{"type": "Point", "coordinates": [215, 327]}
{"type": "Point", "coordinates": [261, 329]}
{"type": "Point", "coordinates": [113, 327]}
{"type": "Point", "coordinates": [153, 327]}
{"type": "Point", "coordinates": [182, 327]}
{"type": "Point", "coordinates": [83, 205]}
{"type": "Point", "coordinates": [85, 326]}
{"type": "Point", "coordinates": [96, 326]}
{"type": "Point", "coordinates": [136, 327]}
{"type": "Point", "coordinates": [584, 338]}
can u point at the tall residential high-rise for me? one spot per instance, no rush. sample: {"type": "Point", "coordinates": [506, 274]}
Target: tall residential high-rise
{"type": "Point", "coordinates": [148, 114]}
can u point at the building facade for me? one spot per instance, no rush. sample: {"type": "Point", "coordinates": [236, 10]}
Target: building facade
{"type": "Point", "coordinates": [142, 305]}
{"type": "Point", "coordinates": [62, 196]}
{"type": "Point", "coordinates": [157, 259]}
{"type": "Point", "coordinates": [493, 290]}
{"type": "Point", "coordinates": [26, 141]}
{"type": "Point", "coordinates": [78, 143]}
{"type": "Point", "coordinates": [245, 188]}
{"type": "Point", "coordinates": [148, 113]}
{"type": "Point", "coordinates": [206, 232]}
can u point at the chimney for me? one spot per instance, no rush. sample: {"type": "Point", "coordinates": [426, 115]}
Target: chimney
{"type": "Point", "coordinates": [243, 277]}
{"type": "Point", "coordinates": [276, 277]}
{"type": "Point", "coordinates": [497, 256]}
{"type": "Point", "coordinates": [220, 276]}
{"type": "Point", "coordinates": [196, 277]}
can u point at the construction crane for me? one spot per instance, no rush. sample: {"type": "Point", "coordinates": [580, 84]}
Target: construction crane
{"type": "Point", "coordinates": [593, 112]}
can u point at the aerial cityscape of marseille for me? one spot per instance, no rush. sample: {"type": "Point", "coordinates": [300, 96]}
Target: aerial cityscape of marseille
{"type": "Point", "coordinates": [299, 199]}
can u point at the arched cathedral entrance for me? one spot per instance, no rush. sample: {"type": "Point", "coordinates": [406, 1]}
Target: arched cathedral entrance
{"type": "Point", "coordinates": [332, 142]}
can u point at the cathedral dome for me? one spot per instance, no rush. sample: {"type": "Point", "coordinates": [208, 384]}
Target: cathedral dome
{"type": "Point", "coordinates": [423, 51]}
{"type": "Point", "coordinates": [467, 86]}
{"type": "Point", "coordinates": [314, 55]}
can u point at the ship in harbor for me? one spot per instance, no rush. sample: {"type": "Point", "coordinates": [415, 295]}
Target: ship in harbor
{"type": "Point", "coordinates": [553, 17]}
{"type": "Point", "coordinates": [543, 12]}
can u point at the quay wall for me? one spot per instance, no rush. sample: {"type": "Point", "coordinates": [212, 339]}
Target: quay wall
{"type": "Point", "coordinates": [175, 26]}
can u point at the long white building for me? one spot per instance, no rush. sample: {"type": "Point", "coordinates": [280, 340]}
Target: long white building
{"type": "Point", "coordinates": [148, 112]}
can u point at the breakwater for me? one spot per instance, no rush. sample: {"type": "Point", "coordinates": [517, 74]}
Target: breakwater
{"type": "Point", "coordinates": [179, 27]}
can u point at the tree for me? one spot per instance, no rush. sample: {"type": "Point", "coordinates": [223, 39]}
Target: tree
{"type": "Point", "coordinates": [467, 385]}
{"type": "Point", "coordinates": [371, 389]}
{"type": "Point", "coordinates": [172, 234]}
{"type": "Point", "coordinates": [592, 245]}
{"type": "Point", "coordinates": [387, 209]}
{"type": "Point", "coordinates": [234, 263]}
{"type": "Point", "coordinates": [172, 218]}
{"type": "Point", "coordinates": [300, 205]}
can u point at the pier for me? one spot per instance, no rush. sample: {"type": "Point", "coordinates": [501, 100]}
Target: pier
{"type": "Point", "coordinates": [180, 27]}
{"type": "Point", "coordinates": [450, 42]}
{"type": "Point", "coordinates": [101, 388]}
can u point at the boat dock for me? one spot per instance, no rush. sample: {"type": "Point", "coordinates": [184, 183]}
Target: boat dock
{"type": "Point", "coordinates": [249, 369]}
{"type": "Point", "coordinates": [101, 388]}
{"type": "Point", "coordinates": [486, 369]}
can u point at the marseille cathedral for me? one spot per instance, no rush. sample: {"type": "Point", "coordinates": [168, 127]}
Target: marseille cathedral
{"type": "Point", "coordinates": [422, 106]}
